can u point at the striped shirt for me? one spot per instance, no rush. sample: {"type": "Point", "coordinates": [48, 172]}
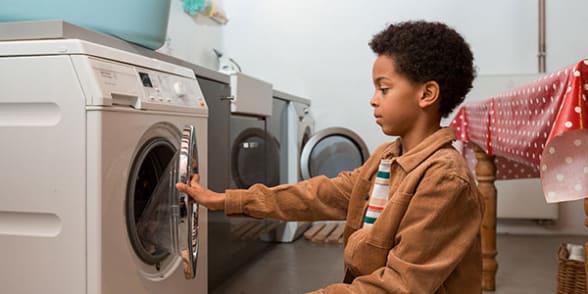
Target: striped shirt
{"type": "Point", "coordinates": [379, 195]}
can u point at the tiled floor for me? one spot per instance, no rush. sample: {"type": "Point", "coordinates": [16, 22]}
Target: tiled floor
{"type": "Point", "coordinates": [527, 264]}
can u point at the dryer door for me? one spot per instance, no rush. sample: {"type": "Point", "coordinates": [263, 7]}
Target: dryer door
{"type": "Point", "coordinates": [331, 151]}
{"type": "Point", "coordinates": [255, 158]}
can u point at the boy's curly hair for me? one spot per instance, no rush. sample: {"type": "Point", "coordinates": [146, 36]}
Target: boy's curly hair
{"type": "Point", "coordinates": [430, 51]}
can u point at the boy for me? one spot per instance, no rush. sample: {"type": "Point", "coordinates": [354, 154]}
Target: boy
{"type": "Point", "coordinates": [412, 210]}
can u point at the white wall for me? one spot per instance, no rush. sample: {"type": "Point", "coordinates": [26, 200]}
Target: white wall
{"type": "Point", "coordinates": [192, 38]}
{"type": "Point", "coordinates": [318, 49]}
{"type": "Point", "coordinates": [566, 25]}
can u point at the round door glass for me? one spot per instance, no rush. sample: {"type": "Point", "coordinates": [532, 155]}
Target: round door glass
{"type": "Point", "coordinates": [149, 168]}
{"type": "Point", "coordinates": [333, 155]}
{"type": "Point", "coordinates": [332, 151]}
{"type": "Point", "coordinates": [255, 159]}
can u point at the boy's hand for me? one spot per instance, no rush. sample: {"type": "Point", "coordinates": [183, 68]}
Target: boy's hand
{"type": "Point", "coordinates": [208, 198]}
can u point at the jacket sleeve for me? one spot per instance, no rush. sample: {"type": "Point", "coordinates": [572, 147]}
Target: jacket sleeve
{"type": "Point", "coordinates": [439, 228]}
{"type": "Point", "coordinates": [319, 198]}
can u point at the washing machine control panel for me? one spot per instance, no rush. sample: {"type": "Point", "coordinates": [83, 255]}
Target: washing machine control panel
{"type": "Point", "coordinates": [125, 85]}
{"type": "Point", "coordinates": [163, 89]}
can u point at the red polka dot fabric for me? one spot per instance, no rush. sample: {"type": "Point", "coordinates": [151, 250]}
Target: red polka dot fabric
{"type": "Point", "coordinates": [537, 130]}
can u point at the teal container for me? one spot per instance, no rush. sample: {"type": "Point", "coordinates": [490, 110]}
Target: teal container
{"type": "Point", "coordinates": [143, 22]}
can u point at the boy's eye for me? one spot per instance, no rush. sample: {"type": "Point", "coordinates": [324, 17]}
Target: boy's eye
{"type": "Point", "coordinates": [384, 91]}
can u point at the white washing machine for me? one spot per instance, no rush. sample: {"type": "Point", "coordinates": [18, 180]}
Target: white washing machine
{"type": "Point", "coordinates": [295, 124]}
{"type": "Point", "coordinates": [87, 133]}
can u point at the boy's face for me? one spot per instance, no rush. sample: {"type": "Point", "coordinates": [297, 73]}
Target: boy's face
{"type": "Point", "coordinates": [395, 100]}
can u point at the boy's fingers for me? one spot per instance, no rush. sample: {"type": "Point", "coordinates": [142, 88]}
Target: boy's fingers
{"type": "Point", "coordinates": [195, 179]}
{"type": "Point", "coordinates": [182, 187]}
{"type": "Point", "coordinates": [191, 191]}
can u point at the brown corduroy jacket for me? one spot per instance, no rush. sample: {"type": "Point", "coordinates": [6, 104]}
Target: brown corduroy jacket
{"type": "Point", "coordinates": [427, 238]}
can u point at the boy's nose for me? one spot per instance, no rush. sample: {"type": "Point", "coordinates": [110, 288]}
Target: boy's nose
{"type": "Point", "coordinates": [373, 102]}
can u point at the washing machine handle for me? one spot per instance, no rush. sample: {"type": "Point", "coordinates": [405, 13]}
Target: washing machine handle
{"type": "Point", "coordinates": [188, 209]}
{"type": "Point", "coordinates": [189, 244]}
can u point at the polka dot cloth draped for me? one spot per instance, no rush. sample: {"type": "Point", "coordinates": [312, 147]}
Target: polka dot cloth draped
{"type": "Point", "coordinates": [537, 130]}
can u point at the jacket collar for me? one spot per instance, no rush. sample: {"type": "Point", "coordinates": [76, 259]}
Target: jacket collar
{"type": "Point", "coordinates": [422, 151]}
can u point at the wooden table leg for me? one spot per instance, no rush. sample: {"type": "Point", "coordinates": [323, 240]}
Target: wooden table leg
{"type": "Point", "coordinates": [486, 174]}
{"type": "Point", "coordinates": [586, 211]}
{"type": "Point", "coordinates": [586, 243]}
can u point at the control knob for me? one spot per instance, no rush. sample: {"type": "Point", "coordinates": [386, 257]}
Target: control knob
{"type": "Point", "coordinates": [180, 89]}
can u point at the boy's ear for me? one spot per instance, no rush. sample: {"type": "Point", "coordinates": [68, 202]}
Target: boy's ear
{"type": "Point", "coordinates": [430, 94]}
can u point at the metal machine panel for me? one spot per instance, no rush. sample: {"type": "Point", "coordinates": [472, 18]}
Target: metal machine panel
{"type": "Point", "coordinates": [250, 95]}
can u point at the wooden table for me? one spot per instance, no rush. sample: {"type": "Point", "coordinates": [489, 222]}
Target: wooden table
{"type": "Point", "coordinates": [536, 130]}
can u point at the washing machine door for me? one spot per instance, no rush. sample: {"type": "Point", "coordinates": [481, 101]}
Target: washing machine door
{"type": "Point", "coordinates": [331, 151]}
{"type": "Point", "coordinates": [255, 158]}
{"type": "Point", "coordinates": [162, 222]}
{"type": "Point", "coordinates": [186, 211]}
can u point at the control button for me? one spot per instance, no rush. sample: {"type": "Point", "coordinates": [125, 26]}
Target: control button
{"type": "Point", "coordinates": [152, 98]}
{"type": "Point", "coordinates": [180, 89]}
{"type": "Point", "coordinates": [160, 99]}
{"type": "Point", "coordinates": [169, 100]}
{"type": "Point", "coordinates": [202, 103]}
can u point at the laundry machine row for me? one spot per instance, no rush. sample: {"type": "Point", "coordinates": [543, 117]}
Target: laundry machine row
{"type": "Point", "coordinates": [224, 244]}
{"type": "Point", "coordinates": [94, 139]}
{"type": "Point", "coordinates": [242, 144]}
{"type": "Point", "coordinates": [261, 137]}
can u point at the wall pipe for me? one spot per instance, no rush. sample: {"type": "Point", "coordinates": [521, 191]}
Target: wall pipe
{"type": "Point", "coordinates": [542, 52]}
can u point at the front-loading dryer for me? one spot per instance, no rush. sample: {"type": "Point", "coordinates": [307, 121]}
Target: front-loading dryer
{"type": "Point", "coordinates": [331, 151]}
{"type": "Point", "coordinates": [93, 141]}
{"type": "Point", "coordinates": [326, 152]}
{"type": "Point", "coordinates": [255, 153]}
